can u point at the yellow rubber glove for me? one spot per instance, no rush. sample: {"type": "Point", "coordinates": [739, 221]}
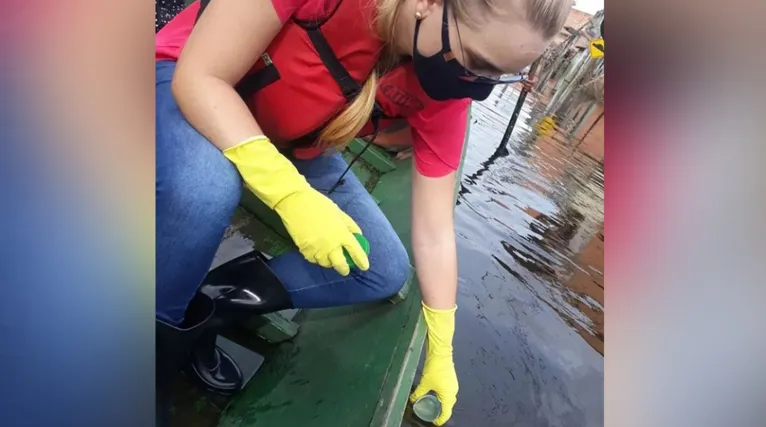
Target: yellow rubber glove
{"type": "Point", "coordinates": [319, 228]}
{"type": "Point", "coordinates": [439, 370]}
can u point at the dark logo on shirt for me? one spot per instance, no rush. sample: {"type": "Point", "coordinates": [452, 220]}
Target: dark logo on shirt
{"type": "Point", "coordinates": [407, 102]}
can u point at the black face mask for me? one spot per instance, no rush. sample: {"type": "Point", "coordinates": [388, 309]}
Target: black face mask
{"type": "Point", "coordinates": [442, 78]}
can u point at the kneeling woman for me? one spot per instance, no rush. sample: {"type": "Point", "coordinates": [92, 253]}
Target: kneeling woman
{"type": "Point", "coordinates": [260, 91]}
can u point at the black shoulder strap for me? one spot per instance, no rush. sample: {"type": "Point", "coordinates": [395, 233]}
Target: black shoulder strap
{"type": "Point", "coordinates": [339, 73]}
{"type": "Point", "coordinates": [348, 86]}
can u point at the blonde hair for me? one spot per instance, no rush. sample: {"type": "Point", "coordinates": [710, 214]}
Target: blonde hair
{"type": "Point", "coordinates": [545, 16]}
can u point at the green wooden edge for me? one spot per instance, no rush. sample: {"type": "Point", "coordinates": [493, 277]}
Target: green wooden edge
{"type": "Point", "coordinates": [375, 156]}
{"type": "Point", "coordinates": [397, 391]}
{"type": "Point", "coordinates": [273, 327]}
{"type": "Point", "coordinates": [405, 290]}
{"type": "Point", "coordinates": [265, 215]}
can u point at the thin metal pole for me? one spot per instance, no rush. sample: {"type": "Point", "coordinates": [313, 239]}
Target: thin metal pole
{"type": "Point", "coordinates": [568, 84]}
{"type": "Point", "coordinates": [571, 69]}
{"type": "Point", "coordinates": [569, 110]}
{"type": "Point", "coordinates": [598, 119]}
{"type": "Point", "coordinates": [519, 104]}
{"type": "Point", "coordinates": [553, 69]}
{"type": "Point", "coordinates": [581, 121]}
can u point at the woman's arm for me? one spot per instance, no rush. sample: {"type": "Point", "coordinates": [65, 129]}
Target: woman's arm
{"type": "Point", "coordinates": [228, 39]}
{"type": "Point", "coordinates": [433, 239]}
{"type": "Point", "coordinates": [433, 243]}
{"type": "Point", "coordinates": [226, 42]}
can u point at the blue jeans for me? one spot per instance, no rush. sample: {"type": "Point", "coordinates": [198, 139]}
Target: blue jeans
{"type": "Point", "coordinates": [197, 191]}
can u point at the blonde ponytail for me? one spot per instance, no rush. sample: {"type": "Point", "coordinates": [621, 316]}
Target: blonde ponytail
{"type": "Point", "coordinates": [346, 126]}
{"type": "Point", "coordinates": [341, 130]}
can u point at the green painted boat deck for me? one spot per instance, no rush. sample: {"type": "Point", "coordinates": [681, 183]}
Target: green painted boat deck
{"type": "Point", "coordinates": [346, 366]}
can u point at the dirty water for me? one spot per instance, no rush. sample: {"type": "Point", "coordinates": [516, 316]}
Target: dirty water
{"type": "Point", "coordinates": [529, 222]}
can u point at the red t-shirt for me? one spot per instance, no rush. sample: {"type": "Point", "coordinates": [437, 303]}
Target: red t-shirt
{"type": "Point", "coordinates": [438, 128]}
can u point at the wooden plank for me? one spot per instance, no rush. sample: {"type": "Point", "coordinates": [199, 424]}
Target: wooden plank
{"type": "Point", "coordinates": [374, 156]}
{"type": "Point", "coordinates": [393, 402]}
{"type": "Point", "coordinates": [405, 290]}
{"type": "Point", "coordinates": [265, 216]}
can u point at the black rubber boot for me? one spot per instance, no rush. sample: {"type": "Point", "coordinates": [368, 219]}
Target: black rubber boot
{"type": "Point", "coordinates": [245, 287]}
{"type": "Point", "coordinates": [213, 367]}
{"type": "Point", "coordinates": [172, 344]}
{"type": "Point", "coordinates": [191, 347]}
{"type": "Point", "coordinates": [237, 290]}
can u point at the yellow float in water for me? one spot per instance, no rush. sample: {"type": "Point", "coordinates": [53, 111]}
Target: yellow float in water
{"type": "Point", "coordinates": [545, 125]}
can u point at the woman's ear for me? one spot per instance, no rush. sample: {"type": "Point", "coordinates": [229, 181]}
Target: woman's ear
{"type": "Point", "coordinates": [423, 8]}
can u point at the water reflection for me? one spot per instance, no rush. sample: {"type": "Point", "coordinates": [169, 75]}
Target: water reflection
{"type": "Point", "coordinates": [530, 226]}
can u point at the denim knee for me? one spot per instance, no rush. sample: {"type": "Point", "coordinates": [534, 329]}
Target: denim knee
{"type": "Point", "coordinates": [206, 187]}
{"type": "Point", "coordinates": [214, 195]}
{"type": "Point", "coordinates": [196, 198]}
{"type": "Point", "coordinates": [389, 270]}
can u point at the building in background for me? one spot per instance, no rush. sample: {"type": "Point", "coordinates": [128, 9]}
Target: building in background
{"type": "Point", "coordinates": [575, 20]}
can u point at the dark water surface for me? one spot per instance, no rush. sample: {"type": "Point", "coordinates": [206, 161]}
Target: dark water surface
{"type": "Point", "coordinates": [529, 222]}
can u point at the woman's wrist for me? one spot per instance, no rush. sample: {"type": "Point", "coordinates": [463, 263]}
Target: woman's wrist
{"type": "Point", "coordinates": [450, 309]}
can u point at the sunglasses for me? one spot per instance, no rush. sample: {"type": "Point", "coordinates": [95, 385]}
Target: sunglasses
{"type": "Point", "coordinates": [472, 77]}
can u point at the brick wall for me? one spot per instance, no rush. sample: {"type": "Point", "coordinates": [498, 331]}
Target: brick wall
{"type": "Point", "coordinates": [575, 20]}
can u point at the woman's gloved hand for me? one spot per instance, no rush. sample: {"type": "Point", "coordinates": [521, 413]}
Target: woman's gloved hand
{"type": "Point", "coordinates": [439, 370]}
{"type": "Point", "coordinates": [319, 228]}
